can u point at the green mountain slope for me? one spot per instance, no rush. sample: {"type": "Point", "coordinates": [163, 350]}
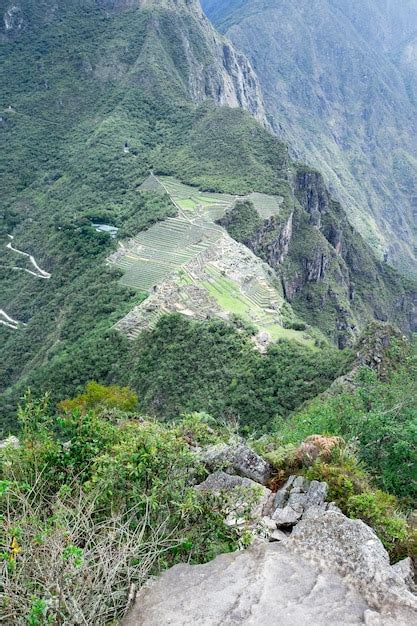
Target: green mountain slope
{"type": "Point", "coordinates": [339, 80]}
{"type": "Point", "coordinates": [95, 96]}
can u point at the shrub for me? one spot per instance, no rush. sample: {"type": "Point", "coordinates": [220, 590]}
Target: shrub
{"type": "Point", "coordinates": [73, 567]}
{"type": "Point", "coordinates": [98, 396]}
{"type": "Point", "coordinates": [379, 416]}
{"type": "Point", "coordinates": [345, 478]}
{"type": "Point", "coordinates": [200, 429]}
{"type": "Point", "coordinates": [93, 506]}
{"type": "Point", "coordinates": [380, 511]}
{"type": "Point", "coordinates": [351, 489]}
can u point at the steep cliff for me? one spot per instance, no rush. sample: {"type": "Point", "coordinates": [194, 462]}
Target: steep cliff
{"type": "Point", "coordinates": [180, 44]}
{"type": "Point", "coordinates": [339, 80]}
{"type": "Point", "coordinates": [328, 272]}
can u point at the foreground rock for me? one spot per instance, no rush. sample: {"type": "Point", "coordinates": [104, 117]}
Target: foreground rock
{"type": "Point", "coordinates": [405, 570]}
{"type": "Point", "coordinates": [10, 442]}
{"type": "Point", "coordinates": [265, 585]}
{"type": "Point", "coordinates": [353, 549]}
{"type": "Point", "coordinates": [300, 498]}
{"type": "Point", "coordinates": [332, 571]}
{"type": "Point", "coordinates": [238, 459]}
{"type": "Point", "coordinates": [253, 499]}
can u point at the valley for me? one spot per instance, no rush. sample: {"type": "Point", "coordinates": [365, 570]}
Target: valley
{"type": "Point", "coordinates": [108, 262]}
{"type": "Point", "coordinates": [204, 341]}
{"type": "Point", "coordinates": [339, 84]}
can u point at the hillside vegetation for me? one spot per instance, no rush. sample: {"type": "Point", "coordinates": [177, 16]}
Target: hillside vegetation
{"type": "Point", "coordinates": [178, 294]}
{"type": "Point", "coordinates": [88, 111]}
{"type": "Point", "coordinates": [98, 497]}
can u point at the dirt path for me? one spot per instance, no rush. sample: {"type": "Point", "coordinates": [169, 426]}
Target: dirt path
{"type": "Point", "coordinates": [40, 273]}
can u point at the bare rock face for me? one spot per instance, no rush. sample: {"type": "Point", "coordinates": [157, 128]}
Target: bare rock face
{"type": "Point", "coordinates": [239, 459]}
{"type": "Point", "coordinates": [297, 498]}
{"type": "Point", "coordinates": [267, 584]}
{"type": "Point", "coordinates": [220, 481]}
{"type": "Point", "coordinates": [219, 72]}
{"type": "Point", "coordinates": [353, 549]}
{"type": "Point", "coordinates": [248, 492]}
{"type": "Point", "coordinates": [405, 570]}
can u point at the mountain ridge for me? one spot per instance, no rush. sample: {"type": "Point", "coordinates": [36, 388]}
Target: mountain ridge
{"type": "Point", "coordinates": [95, 104]}
{"type": "Point", "coordinates": [338, 89]}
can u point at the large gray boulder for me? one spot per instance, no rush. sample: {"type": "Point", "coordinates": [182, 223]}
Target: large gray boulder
{"type": "Point", "coordinates": [355, 552]}
{"type": "Point", "coordinates": [266, 585]}
{"type": "Point", "coordinates": [248, 493]}
{"type": "Point", "coordinates": [237, 458]}
{"type": "Point", "coordinates": [405, 570]}
{"type": "Point", "coordinates": [297, 498]}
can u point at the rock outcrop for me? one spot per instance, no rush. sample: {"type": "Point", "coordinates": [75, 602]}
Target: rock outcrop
{"type": "Point", "coordinates": [13, 20]}
{"type": "Point", "coordinates": [297, 498]}
{"type": "Point", "coordinates": [267, 584]}
{"type": "Point", "coordinates": [248, 494]}
{"type": "Point", "coordinates": [405, 570]}
{"type": "Point", "coordinates": [329, 571]}
{"type": "Point", "coordinates": [239, 459]}
{"type": "Point", "coordinates": [352, 549]}
{"type": "Point", "coordinates": [329, 274]}
{"type": "Point", "coordinates": [381, 347]}
{"type": "Point", "coordinates": [10, 442]}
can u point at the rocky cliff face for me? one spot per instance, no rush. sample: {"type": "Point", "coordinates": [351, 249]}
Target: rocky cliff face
{"type": "Point", "coordinates": [340, 82]}
{"type": "Point", "coordinates": [328, 273]}
{"type": "Point", "coordinates": [215, 69]}
{"type": "Point", "coordinates": [205, 64]}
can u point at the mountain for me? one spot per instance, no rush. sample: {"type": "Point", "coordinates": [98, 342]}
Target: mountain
{"type": "Point", "coordinates": [125, 248]}
{"type": "Point", "coordinates": [180, 307]}
{"type": "Point", "coordinates": [339, 80]}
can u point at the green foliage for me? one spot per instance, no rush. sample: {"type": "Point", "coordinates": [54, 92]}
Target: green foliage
{"type": "Point", "coordinates": [345, 478]}
{"type": "Point", "coordinates": [38, 613]}
{"type": "Point", "coordinates": [380, 416]}
{"type": "Point", "coordinates": [92, 505]}
{"type": "Point", "coordinates": [120, 97]}
{"type": "Point", "coordinates": [222, 149]}
{"type": "Point", "coordinates": [380, 511]}
{"type": "Point", "coordinates": [200, 429]}
{"type": "Point", "coordinates": [350, 487]}
{"type": "Point", "coordinates": [187, 366]}
{"type": "Point", "coordinates": [242, 221]}
{"type": "Point", "coordinates": [99, 397]}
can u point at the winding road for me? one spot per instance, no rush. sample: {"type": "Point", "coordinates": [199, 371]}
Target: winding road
{"type": "Point", "coordinates": [5, 319]}
{"type": "Point", "coordinates": [9, 321]}
{"type": "Point", "coordinates": [40, 273]}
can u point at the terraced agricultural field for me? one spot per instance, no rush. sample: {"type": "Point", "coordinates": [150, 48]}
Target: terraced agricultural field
{"type": "Point", "coordinates": [156, 253]}
{"type": "Point", "coordinates": [267, 206]}
{"type": "Point", "coordinates": [260, 305]}
{"type": "Point", "coordinates": [172, 253]}
{"type": "Point", "coordinates": [194, 202]}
